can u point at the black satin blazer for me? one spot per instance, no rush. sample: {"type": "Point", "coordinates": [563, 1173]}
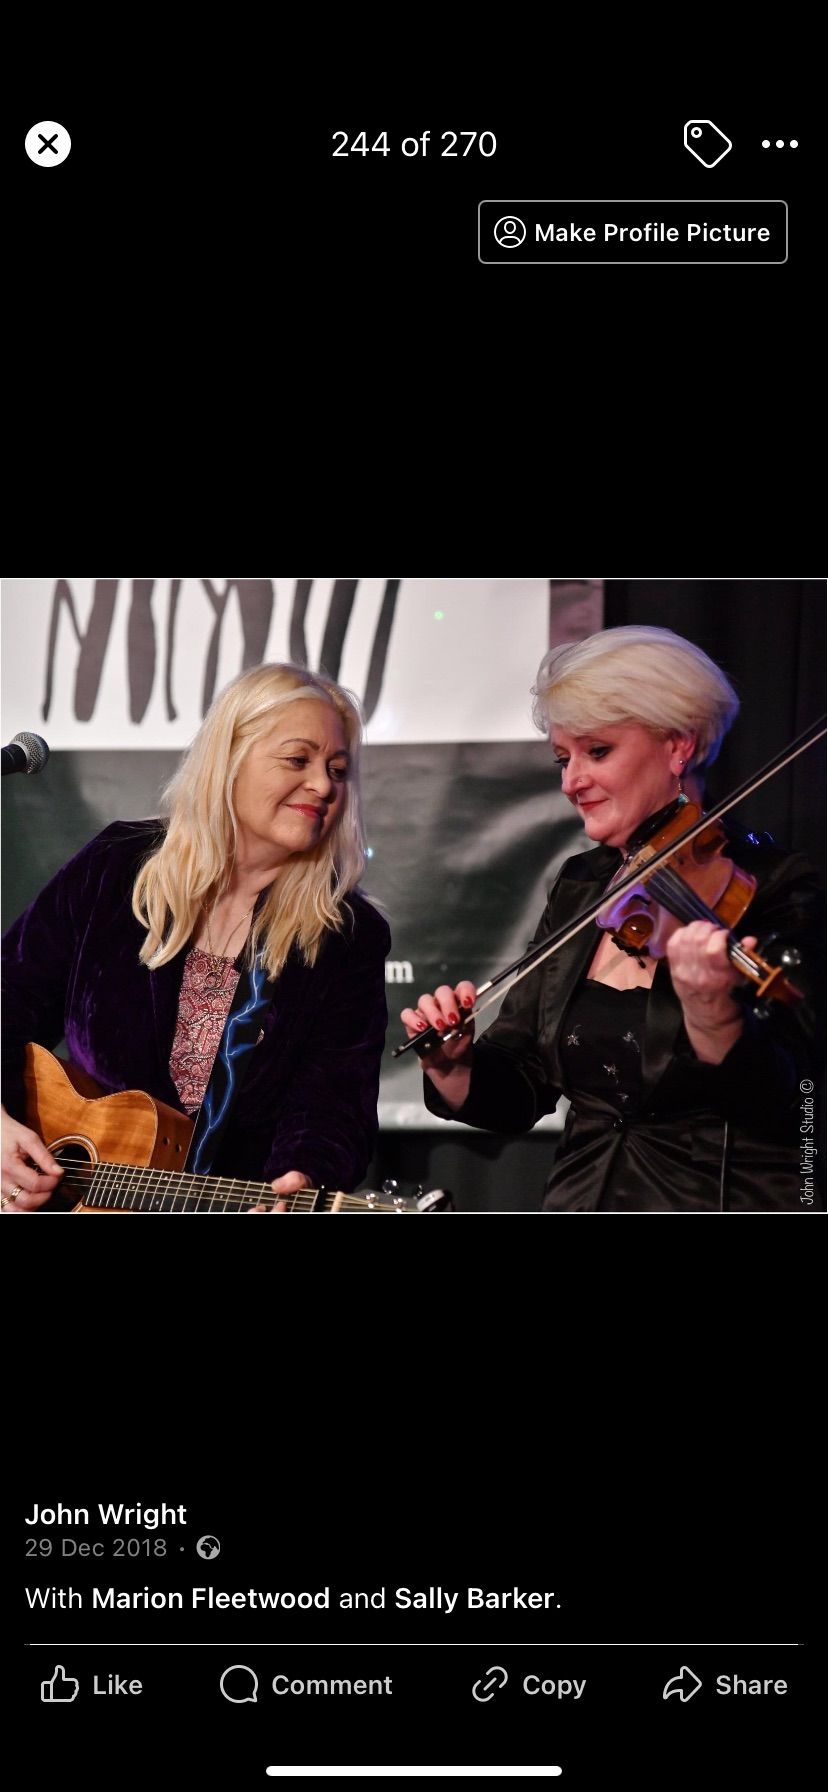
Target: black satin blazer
{"type": "Point", "coordinates": [708, 1136]}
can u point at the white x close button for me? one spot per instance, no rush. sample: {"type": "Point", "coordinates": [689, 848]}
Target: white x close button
{"type": "Point", "coordinates": [48, 144]}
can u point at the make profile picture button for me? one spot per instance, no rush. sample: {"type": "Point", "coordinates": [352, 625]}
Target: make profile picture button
{"type": "Point", "coordinates": [509, 232]}
{"type": "Point", "coordinates": [48, 144]}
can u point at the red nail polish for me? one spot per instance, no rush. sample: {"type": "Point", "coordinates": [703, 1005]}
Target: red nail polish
{"type": "Point", "coordinates": [467, 1002]}
{"type": "Point", "coordinates": [455, 1019]}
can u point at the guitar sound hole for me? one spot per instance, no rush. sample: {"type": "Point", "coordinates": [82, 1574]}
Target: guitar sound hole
{"type": "Point", "coordinates": [69, 1190]}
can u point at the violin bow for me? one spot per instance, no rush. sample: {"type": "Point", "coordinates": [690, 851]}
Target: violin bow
{"type": "Point", "coordinates": [537, 954]}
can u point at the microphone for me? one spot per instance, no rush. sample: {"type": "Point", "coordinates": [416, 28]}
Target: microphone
{"type": "Point", "coordinates": [26, 753]}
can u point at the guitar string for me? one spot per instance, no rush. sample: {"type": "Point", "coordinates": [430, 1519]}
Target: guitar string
{"type": "Point", "coordinates": [191, 1205]}
{"type": "Point", "coordinates": [231, 1203]}
{"type": "Point", "coordinates": [82, 1176]}
{"type": "Point", "coordinates": [89, 1169]}
{"type": "Point", "coordinates": [235, 1203]}
{"type": "Point", "coordinates": [145, 1179]}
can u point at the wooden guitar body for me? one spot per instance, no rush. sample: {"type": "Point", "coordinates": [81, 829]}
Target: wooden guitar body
{"type": "Point", "coordinates": [76, 1121]}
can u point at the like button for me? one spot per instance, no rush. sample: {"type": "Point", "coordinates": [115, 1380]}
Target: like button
{"type": "Point", "coordinates": [60, 1687]}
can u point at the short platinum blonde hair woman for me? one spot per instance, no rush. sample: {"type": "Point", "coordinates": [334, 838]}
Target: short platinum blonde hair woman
{"type": "Point", "coordinates": [192, 866]}
{"type": "Point", "coordinates": [637, 674]}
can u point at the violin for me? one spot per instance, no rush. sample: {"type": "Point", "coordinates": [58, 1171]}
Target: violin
{"type": "Point", "coordinates": [698, 883]}
{"type": "Point", "coordinates": [679, 874]}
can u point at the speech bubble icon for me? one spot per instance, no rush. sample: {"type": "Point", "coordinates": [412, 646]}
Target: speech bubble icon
{"type": "Point", "coordinates": [239, 1689]}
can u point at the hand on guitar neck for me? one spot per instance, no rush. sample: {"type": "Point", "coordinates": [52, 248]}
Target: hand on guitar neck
{"type": "Point", "coordinates": [284, 1185]}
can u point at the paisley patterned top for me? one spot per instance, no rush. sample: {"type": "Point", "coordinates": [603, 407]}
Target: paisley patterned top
{"type": "Point", "coordinates": [600, 1043]}
{"type": "Point", "coordinates": [203, 1008]}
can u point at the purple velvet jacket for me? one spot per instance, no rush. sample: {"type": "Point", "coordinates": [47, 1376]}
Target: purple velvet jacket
{"type": "Point", "coordinates": [309, 1101]}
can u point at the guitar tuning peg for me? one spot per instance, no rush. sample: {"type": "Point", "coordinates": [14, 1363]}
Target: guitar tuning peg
{"type": "Point", "coordinates": [790, 958]}
{"type": "Point", "coordinates": [390, 1186]}
{"type": "Point", "coordinates": [437, 1200]}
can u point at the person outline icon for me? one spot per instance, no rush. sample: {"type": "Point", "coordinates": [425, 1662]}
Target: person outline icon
{"type": "Point", "coordinates": [509, 232]}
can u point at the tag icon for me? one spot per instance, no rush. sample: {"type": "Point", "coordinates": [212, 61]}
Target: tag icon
{"type": "Point", "coordinates": [706, 142]}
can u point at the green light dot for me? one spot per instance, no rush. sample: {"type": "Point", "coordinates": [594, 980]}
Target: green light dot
{"type": "Point", "coordinates": [438, 615]}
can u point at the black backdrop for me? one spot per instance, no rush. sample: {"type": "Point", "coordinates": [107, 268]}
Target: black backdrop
{"type": "Point", "coordinates": [769, 637]}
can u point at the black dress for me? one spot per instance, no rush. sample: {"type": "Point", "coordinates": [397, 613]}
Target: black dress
{"type": "Point", "coordinates": [602, 1039]}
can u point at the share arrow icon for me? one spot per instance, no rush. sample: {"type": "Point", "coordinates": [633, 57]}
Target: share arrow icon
{"type": "Point", "coordinates": [686, 1683]}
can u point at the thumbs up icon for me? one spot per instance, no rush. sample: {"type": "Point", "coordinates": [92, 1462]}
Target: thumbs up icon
{"type": "Point", "coordinates": [60, 1687]}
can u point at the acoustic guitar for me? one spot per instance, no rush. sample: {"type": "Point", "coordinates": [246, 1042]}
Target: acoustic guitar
{"type": "Point", "coordinates": [125, 1153]}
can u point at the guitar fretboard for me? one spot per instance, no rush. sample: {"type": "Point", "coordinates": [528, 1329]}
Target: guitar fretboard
{"type": "Point", "coordinates": [140, 1190]}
